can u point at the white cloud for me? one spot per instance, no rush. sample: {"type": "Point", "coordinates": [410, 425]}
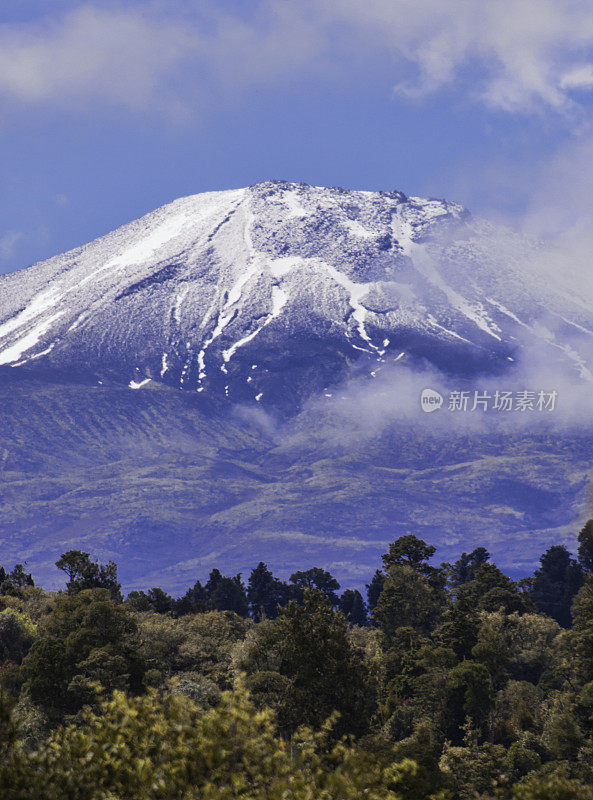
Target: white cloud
{"type": "Point", "coordinates": [517, 51]}
{"type": "Point", "coordinates": [516, 55]}
{"type": "Point", "coordinates": [561, 205]}
{"type": "Point", "coordinates": [166, 58]}
{"type": "Point", "coordinates": [580, 77]}
{"type": "Point", "coordinates": [93, 54]}
{"type": "Point", "coordinates": [8, 243]}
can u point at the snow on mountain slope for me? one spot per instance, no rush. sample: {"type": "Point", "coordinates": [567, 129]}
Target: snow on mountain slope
{"type": "Point", "coordinates": [268, 296]}
{"type": "Point", "coordinates": [270, 293]}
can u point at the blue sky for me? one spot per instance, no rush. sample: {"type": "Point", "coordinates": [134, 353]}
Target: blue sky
{"type": "Point", "coordinates": [109, 110]}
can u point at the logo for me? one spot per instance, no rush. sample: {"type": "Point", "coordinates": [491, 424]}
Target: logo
{"type": "Point", "coordinates": [430, 400]}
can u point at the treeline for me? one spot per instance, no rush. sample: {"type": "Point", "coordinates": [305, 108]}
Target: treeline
{"type": "Point", "coordinates": [449, 681]}
{"type": "Point", "coordinates": [550, 590]}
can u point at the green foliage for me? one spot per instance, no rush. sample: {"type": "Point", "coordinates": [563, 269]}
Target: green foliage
{"type": "Point", "coordinates": [227, 594]}
{"type": "Point", "coordinates": [469, 696]}
{"type": "Point", "coordinates": [154, 600]}
{"type": "Point", "coordinates": [411, 552]}
{"type": "Point", "coordinates": [374, 589]}
{"type": "Point", "coordinates": [12, 583]}
{"type": "Point", "coordinates": [525, 646]}
{"type": "Point", "coordinates": [459, 688]}
{"type": "Point", "coordinates": [523, 757]}
{"type": "Point", "coordinates": [353, 607]}
{"type": "Point", "coordinates": [582, 640]}
{"type": "Point", "coordinates": [556, 786]}
{"type": "Point", "coordinates": [424, 749]}
{"type": "Point", "coordinates": [561, 734]}
{"type": "Point", "coordinates": [412, 594]}
{"type": "Point", "coordinates": [17, 633]}
{"type": "Point", "coordinates": [585, 551]}
{"type": "Point", "coordinates": [517, 711]}
{"type": "Point", "coordinates": [316, 578]}
{"type": "Point", "coordinates": [194, 601]}
{"type": "Point", "coordinates": [164, 748]}
{"type": "Point", "coordinates": [471, 767]}
{"type": "Point", "coordinates": [459, 628]}
{"type": "Point", "coordinates": [88, 643]}
{"type": "Point", "coordinates": [202, 644]}
{"type": "Point", "coordinates": [489, 589]}
{"type": "Point", "coordinates": [265, 593]}
{"type": "Point", "coordinates": [304, 666]}
{"type": "Point", "coordinates": [464, 569]}
{"type": "Point", "coordinates": [84, 573]}
{"type": "Point", "coordinates": [556, 583]}
{"type": "Point", "coordinates": [409, 600]}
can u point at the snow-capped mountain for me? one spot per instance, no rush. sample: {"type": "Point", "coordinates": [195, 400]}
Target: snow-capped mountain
{"type": "Point", "coordinates": [271, 293]}
{"type": "Point", "coordinates": [136, 373]}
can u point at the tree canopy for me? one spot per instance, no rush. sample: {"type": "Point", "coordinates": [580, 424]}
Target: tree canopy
{"type": "Point", "coordinates": [454, 682]}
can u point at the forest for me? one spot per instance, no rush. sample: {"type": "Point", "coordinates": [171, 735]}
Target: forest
{"type": "Point", "coordinates": [445, 681]}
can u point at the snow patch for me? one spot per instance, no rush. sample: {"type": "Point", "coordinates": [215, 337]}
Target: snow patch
{"type": "Point", "coordinates": [293, 204]}
{"type": "Point", "coordinates": [78, 321]}
{"type": "Point", "coordinates": [180, 297]}
{"type": "Point", "coordinates": [356, 229]}
{"type": "Point", "coordinates": [279, 300]}
{"type": "Point", "coordinates": [279, 267]}
{"type": "Point", "coordinates": [16, 350]}
{"type": "Point", "coordinates": [38, 305]}
{"type": "Point", "coordinates": [227, 313]}
{"type": "Point", "coordinates": [356, 292]}
{"type": "Point", "coordinates": [142, 250]}
{"type": "Point", "coordinates": [139, 384]}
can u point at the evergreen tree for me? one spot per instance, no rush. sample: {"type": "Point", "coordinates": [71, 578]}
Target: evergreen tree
{"type": "Point", "coordinates": [19, 577]}
{"type": "Point", "coordinates": [154, 600]}
{"type": "Point", "coordinates": [139, 601]}
{"type": "Point", "coordinates": [12, 582]}
{"type": "Point", "coordinates": [194, 601]}
{"type": "Point", "coordinates": [374, 589]}
{"type": "Point", "coordinates": [158, 747]}
{"type": "Point", "coordinates": [459, 628]}
{"type": "Point", "coordinates": [408, 600]}
{"type": "Point", "coordinates": [17, 634]}
{"type": "Point", "coordinates": [413, 592]}
{"type": "Point", "coordinates": [488, 697]}
{"type": "Point", "coordinates": [265, 593]}
{"type": "Point", "coordinates": [490, 589]}
{"type": "Point", "coordinates": [227, 594]}
{"type": "Point", "coordinates": [556, 583]}
{"type": "Point", "coordinates": [585, 551]}
{"type": "Point", "coordinates": [353, 607]}
{"type": "Point", "coordinates": [582, 633]}
{"type": "Point", "coordinates": [469, 696]}
{"type": "Point", "coordinates": [160, 601]}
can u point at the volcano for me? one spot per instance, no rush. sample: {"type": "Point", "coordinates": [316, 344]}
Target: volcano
{"type": "Point", "coordinates": [173, 392]}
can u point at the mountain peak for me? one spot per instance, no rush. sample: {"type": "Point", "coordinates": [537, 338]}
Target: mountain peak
{"type": "Point", "coordinates": [268, 293]}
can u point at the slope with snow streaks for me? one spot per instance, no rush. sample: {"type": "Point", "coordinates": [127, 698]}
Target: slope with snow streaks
{"type": "Point", "coordinates": [309, 279]}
